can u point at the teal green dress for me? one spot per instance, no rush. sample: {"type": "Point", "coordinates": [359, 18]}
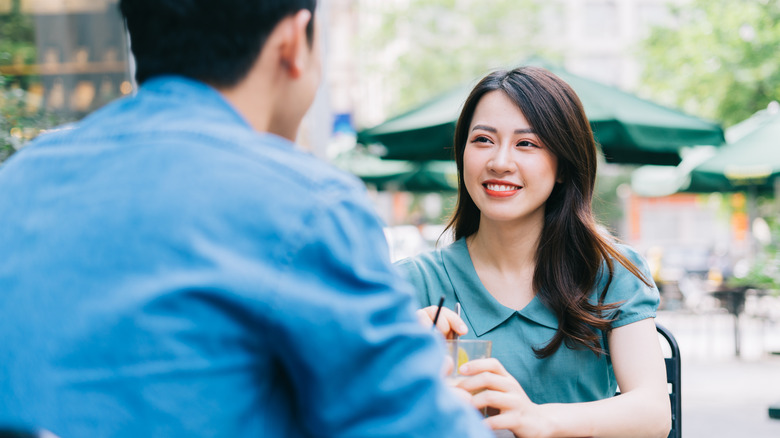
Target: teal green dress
{"type": "Point", "coordinates": [569, 375]}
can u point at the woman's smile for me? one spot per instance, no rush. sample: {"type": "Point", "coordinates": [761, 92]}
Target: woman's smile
{"type": "Point", "coordinates": [500, 189]}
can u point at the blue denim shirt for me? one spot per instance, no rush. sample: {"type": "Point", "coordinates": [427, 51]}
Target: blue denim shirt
{"type": "Point", "coordinates": [167, 271]}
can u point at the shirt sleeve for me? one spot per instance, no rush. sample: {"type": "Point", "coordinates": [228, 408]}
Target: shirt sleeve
{"type": "Point", "coordinates": [361, 363]}
{"type": "Point", "coordinates": [639, 301]}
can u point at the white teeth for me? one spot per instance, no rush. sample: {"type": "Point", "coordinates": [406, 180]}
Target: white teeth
{"type": "Point", "coordinates": [500, 187]}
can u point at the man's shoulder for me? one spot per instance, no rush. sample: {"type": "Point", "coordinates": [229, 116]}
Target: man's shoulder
{"type": "Point", "coordinates": [208, 143]}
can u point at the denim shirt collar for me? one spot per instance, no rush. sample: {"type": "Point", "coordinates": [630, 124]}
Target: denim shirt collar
{"type": "Point", "coordinates": [190, 90]}
{"type": "Point", "coordinates": [185, 91]}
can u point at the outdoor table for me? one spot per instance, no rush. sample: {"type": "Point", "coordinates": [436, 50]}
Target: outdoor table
{"type": "Point", "coordinates": [733, 300]}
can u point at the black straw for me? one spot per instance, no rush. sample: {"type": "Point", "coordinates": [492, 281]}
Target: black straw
{"type": "Point", "coordinates": [438, 311]}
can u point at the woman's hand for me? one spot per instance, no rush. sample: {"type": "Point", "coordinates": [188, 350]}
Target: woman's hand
{"type": "Point", "coordinates": [449, 323]}
{"type": "Point", "coordinates": [494, 388]}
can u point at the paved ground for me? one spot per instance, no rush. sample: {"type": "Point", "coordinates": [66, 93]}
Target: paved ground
{"type": "Point", "coordinates": [724, 395]}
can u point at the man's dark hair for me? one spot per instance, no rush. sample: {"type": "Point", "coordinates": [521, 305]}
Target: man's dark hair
{"type": "Point", "coordinates": [215, 41]}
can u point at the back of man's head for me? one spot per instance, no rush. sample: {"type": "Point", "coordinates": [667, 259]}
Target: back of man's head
{"type": "Point", "coordinates": [215, 41]}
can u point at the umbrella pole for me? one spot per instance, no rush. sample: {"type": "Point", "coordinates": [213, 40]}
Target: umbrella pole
{"type": "Point", "coordinates": [752, 205]}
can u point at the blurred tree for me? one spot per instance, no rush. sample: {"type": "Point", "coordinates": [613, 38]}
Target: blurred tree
{"type": "Point", "coordinates": [764, 271]}
{"type": "Point", "coordinates": [718, 59]}
{"type": "Point", "coordinates": [426, 47]}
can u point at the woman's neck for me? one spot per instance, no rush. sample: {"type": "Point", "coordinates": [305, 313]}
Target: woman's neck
{"type": "Point", "coordinates": [505, 261]}
{"type": "Point", "coordinates": [505, 247]}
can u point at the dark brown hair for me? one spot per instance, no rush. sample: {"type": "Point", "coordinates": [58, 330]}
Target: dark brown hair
{"type": "Point", "coordinates": [571, 248]}
{"type": "Point", "coordinates": [216, 42]}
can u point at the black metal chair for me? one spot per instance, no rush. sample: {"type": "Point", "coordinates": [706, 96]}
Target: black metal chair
{"type": "Point", "coordinates": [673, 377]}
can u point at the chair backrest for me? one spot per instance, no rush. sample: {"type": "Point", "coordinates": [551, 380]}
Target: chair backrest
{"type": "Point", "coordinates": [673, 377]}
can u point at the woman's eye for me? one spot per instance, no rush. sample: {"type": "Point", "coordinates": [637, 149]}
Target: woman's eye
{"type": "Point", "coordinates": [526, 143]}
{"type": "Point", "coordinates": [481, 139]}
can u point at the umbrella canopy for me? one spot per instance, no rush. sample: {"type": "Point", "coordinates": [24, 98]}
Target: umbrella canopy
{"type": "Point", "coordinates": [750, 160]}
{"type": "Point", "coordinates": [438, 176]}
{"type": "Point", "coordinates": [373, 170]}
{"type": "Point", "coordinates": [629, 129]}
{"type": "Point", "coordinates": [410, 176]}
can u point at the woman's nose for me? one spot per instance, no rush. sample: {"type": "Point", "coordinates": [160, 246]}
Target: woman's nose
{"type": "Point", "coordinates": [501, 161]}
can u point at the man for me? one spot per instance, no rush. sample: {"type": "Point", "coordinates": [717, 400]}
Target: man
{"type": "Point", "coordinates": [174, 266]}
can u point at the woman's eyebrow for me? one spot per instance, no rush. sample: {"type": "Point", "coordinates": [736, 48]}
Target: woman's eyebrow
{"type": "Point", "coordinates": [494, 130]}
{"type": "Point", "coordinates": [484, 128]}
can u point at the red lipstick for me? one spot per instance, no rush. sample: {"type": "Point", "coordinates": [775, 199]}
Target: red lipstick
{"type": "Point", "coordinates": [500, 189]}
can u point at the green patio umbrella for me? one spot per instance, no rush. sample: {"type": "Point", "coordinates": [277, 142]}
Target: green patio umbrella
{"type": "Point", "coordinates": [410, 176]}
{"type": "Point", "coordinates": [629, 129]}
{"type": "Point", "coordinates": [439, 176]}
{"type": "Point", "coordinates": [372, 170]}
{"type": "Point", "coordinates": [750, 161]}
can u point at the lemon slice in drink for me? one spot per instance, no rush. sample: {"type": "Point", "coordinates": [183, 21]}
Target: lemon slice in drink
{"type": "Point", "coordinates": [463, 357]}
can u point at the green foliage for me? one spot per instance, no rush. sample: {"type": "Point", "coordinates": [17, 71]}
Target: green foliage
{"type": "Point", "coordinates": [719, 61]}
{"type": "Point", "coordinates": [18, 122]}
{"type": "Point", "coordinates": [439, 44]}
{"type": "Point", "coordinates": [17, 37]}
{"type": "Point", "coordinates": [764, 271]}
{"type": "Point", "coordinates": [762, 275]}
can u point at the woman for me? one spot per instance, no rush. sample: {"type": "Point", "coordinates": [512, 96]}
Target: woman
{"type": "Point", "coordinates": [570, 312]}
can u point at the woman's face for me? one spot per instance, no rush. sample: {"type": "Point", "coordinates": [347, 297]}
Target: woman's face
{"type": "Point", "coordinates": [507, 170]}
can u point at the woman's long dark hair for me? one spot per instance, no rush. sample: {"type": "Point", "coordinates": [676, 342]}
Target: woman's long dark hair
{"type": "Point", "coordinates": [571, 248]}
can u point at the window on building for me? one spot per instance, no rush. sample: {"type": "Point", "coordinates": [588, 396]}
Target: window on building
{"type": "Point", "coordinates": [59, 60]}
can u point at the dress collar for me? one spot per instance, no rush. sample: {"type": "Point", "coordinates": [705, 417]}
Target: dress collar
{"type": "Point", "coordinates": [482, 311]}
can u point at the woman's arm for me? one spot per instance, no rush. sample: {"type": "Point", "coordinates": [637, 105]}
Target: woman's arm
{"type": "Point", "coordinates": [642, 409]}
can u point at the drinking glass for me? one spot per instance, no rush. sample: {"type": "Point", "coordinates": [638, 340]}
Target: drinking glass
{"type": "Point", "coordinates": [464, 350]}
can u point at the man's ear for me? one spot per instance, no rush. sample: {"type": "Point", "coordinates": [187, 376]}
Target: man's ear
{"type": "Point", "coordinates": [294, 44]}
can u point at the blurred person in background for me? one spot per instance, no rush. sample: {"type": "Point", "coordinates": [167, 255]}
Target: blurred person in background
{"type": "Point", "coordinates": [173, 265]}
{"type": "Point", "coordinates": [570, 311]}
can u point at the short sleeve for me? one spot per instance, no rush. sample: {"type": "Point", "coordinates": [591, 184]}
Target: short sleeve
{"type": "Point", "coordinates": [638, 300]}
